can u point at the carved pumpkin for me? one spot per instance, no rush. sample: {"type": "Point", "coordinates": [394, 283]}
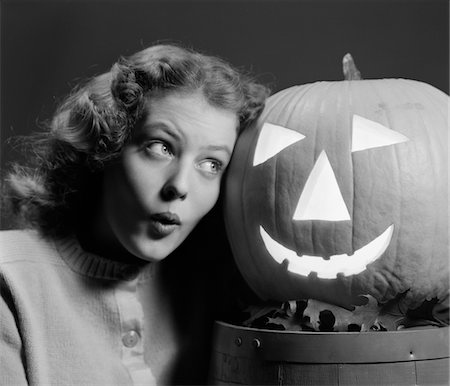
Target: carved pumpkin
{"type": "Point", "coordinates": [341, 190]}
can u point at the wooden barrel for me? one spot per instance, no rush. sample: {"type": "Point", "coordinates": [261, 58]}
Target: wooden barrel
{"type": "Point", "coordinates": [264, 357]}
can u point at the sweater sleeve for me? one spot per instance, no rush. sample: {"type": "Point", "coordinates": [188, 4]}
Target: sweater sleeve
{"type": "Point", "coordinates": [12, 371]}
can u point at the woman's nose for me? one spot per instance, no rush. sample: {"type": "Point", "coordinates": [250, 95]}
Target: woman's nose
{"type": "Point", "coordinates": [172, 192]}
{"type": "Point", "coordinates": [176, 186]}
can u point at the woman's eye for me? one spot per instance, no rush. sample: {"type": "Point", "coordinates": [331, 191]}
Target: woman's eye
{"type": "Point", "coordinates": [159, 149]}
{"type": "Point", "coordinates": [211, 166]}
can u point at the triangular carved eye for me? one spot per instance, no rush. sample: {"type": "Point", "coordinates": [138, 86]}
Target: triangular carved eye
{"type": "Point", "coordinates": [273, 139]}
{"type": "Point", "coordinates": [368, 134]}
{"type": "Point", "coordinates": [321, 198]}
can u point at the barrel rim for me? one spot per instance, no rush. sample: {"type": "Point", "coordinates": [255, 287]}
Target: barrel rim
{"type": "Point", "coordinates": [332, 347]}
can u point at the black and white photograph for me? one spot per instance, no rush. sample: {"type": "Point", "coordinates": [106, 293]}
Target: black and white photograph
{"type": "Point", "coordinates": [224, 192]}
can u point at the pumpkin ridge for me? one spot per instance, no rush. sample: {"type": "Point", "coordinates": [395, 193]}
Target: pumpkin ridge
{"type": "Point", "coordinates": [324, 92]}
{"type": "Point", "coordinates": [275, 100]}
{"type": "Point", "coordinates": [276, 217]}
{"type": "Point", "coordinates": [230, 207]}
{"type": "Point", "coordinates": [436, 195]}
{"type": "Point", "coordinates": [244, 210]}
{"type": "Point", "coordinates": [275, 197]}
{"type": "Point", "coordinates": [304, 96]}
{"type": "Point", "coordinates": [245, 179]}
{"type": "Point", "coordinates": [269, 110]}
{"type": "Point", "coordinates": [414, 293]}
{"type": "Point", "coordinates": [397, 170]}
{"type": "Point", "coordinates": [344, 98]}
{"type": "Point", "coordinates": [414, 266]}
{"type": "Point", "coordinates": [333, 97]}
{"type": "Point", "coordinates": [352, 168]}
{"type": "Point", "coordinates": [302, 90]}
{"type": "Point", "coordinates": [384, 267]}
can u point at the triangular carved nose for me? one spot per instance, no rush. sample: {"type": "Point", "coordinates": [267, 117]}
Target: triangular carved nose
{"type": "Point", "coordinates": [321, 198]}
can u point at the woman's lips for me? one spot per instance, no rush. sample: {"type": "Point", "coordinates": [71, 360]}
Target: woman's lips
{"type": "Point", "coordinates": [163, 224]}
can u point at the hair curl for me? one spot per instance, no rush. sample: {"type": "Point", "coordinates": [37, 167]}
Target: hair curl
{"type": "Point", "coordinates": [92, 125]}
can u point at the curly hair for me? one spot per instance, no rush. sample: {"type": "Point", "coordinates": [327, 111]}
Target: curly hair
{"type": "Point", "coordinates": [92, 125]}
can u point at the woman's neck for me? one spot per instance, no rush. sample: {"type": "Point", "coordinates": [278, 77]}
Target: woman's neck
{"type": "Point", "coordinates": [96, 236]}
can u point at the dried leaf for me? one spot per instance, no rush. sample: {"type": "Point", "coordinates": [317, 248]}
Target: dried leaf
{"type": "Point", "coordinates": [314, 315]}
{"type": "Point", "coordinates": [328, 317]}
{"type": "Point", "coordinates": [257, 312]}
{"type": "Point", "coordinates": [290, 320]}
{"type": "Point", "coordinates": [290, 308]}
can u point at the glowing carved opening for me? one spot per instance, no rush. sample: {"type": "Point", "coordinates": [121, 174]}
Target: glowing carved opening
{"type": "Point", "coordinates": [273, 139]}
{"type": "Point", "coordinates": [368, 134]}
{"type": "Point", "coordinates": [321, 198]}
{"type": "Point", "coordinates": [328, 269]}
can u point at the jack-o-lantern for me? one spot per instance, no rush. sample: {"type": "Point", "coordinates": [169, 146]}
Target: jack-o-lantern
{"type": "Point", "coordinates": [340, 190]}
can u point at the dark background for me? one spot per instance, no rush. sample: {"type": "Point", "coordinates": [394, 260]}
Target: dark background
{"type": "Point", "coordinates": [48, 46]}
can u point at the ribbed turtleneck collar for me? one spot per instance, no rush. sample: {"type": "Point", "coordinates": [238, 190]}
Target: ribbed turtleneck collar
{"type": "Point", "coordinates": [92, 265]}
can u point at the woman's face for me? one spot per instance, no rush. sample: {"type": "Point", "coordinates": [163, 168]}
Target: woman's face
{"type": "Point", "coordinates": [169, 174]}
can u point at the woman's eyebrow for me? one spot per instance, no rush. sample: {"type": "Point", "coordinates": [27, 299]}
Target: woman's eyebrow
{"type": "Point", "coordinates": [162, 127]}
{"type": "Point", "coordinates": [223, 148]}
{"type": "Point", "coordinates": [172, 131]}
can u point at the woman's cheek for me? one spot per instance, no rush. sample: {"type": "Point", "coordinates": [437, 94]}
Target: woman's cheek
{"type": "Point", "coordinates": [208, 196]}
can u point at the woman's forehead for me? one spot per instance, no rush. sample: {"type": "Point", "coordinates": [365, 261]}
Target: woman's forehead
{"type": "Point", "coordinates": [189, 114]}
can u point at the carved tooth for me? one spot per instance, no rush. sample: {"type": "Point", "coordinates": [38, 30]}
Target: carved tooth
{"type": "Point", "coordinates": [329, 269]}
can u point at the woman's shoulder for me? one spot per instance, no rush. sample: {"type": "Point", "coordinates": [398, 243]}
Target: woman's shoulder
{"type": "Point", "coordinates": [24, 245]}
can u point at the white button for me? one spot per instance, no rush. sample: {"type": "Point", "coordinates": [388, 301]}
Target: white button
{"type": "Point", "coordinates": [130, 339]}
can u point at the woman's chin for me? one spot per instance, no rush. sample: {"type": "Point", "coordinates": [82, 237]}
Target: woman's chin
{"type": "Point", "coordinates": [151, 250]}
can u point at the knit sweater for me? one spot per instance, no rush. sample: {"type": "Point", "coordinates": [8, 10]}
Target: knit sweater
{"type": "Point", "coordinates": [68, 317]}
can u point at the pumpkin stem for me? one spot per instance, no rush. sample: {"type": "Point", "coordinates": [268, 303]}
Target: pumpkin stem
{"type": "Point", "coordinates": [349, 68]}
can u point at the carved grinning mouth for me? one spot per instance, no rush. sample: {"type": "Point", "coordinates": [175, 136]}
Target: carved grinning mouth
{"type": "Point", "coordinates": [329, 269]}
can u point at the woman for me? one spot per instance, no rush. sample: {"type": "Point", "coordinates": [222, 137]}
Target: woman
{"type": "Point", "coordinates": [131, 163]}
